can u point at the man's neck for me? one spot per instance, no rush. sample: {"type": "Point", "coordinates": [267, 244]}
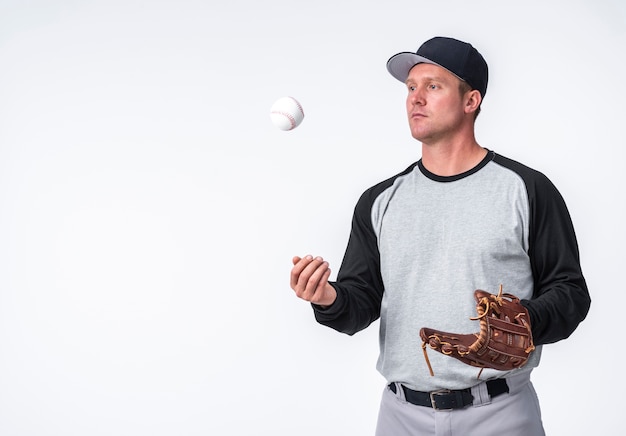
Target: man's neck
{"type": "Point", "coordinates": [452, 159]}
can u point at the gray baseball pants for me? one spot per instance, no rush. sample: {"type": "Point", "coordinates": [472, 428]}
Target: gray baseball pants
{"type": "Point", "coordinates": [516, 413]}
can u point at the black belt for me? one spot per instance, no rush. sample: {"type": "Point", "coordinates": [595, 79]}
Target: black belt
{"type": "Point", "coordinates": [446, 399]}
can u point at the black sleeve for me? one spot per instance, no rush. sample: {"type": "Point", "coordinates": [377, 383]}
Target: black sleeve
{"type": "Point", "coordinates": [359, 284]}
{"type": "Point", "coordinates": [560, 299]}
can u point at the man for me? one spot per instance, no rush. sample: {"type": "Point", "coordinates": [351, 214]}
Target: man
{"type": "Point", "coordinates": [460, 219]}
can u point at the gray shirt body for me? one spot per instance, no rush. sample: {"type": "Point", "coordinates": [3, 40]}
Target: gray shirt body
{"type": "Point", "coordinates": [421, 244]}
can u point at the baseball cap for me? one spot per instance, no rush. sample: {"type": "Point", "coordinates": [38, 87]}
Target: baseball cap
{"type": "Point", "coordinates": [458, 57]}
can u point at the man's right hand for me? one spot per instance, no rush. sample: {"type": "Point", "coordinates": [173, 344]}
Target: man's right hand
{"type": "Point", "coordinates": [309, 280]}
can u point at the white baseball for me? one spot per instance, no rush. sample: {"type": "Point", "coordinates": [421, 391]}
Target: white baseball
{"type": "Point", "coordinates": [286, 113]}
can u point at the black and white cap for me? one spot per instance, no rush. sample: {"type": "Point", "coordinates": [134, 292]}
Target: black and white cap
{"type": "Point", "coordinates": [458, 57]}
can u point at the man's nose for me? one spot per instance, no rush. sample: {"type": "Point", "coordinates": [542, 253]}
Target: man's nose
{"type": "Point", "coordinates": [417, 96]}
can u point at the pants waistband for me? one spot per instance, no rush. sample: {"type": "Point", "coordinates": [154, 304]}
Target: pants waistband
{"type": "Point", "coordinates": [446, 399]}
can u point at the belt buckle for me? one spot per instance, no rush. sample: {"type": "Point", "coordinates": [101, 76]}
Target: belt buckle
{"type": "Point", "coordinates": [433, 400]}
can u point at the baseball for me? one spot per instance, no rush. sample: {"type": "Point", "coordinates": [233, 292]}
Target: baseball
{"type": "Point", "coordinates": [286, 113]}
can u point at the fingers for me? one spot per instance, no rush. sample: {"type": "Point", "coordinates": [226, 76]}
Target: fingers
{"type": "Point", "coordinates": [309, 277]}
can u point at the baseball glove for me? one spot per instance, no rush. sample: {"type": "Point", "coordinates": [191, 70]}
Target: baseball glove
{"type": "Point", "coordinates": [504, 342]}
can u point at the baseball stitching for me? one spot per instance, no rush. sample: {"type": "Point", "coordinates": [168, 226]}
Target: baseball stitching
{"type": "Point", "coordinates": [298, 104]}
{"type": "Point", "coordinates": [291, 119]}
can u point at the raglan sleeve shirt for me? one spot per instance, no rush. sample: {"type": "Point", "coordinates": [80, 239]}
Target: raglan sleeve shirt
{"type": "Point", "coordinates": [559, 300]}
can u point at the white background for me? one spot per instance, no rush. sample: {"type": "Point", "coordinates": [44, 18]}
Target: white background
{"type": "Point", "coordinates": [149, 209]}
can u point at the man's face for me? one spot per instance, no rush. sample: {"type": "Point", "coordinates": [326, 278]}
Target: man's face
{"type": "Point", "coordinates": [434, 104]}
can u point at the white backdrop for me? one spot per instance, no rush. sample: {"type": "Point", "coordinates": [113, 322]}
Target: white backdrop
{"type": "Point", "coordinates": [149, 210]}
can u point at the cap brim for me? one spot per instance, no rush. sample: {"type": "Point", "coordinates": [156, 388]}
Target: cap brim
{"type": "Point", "coordinates": [399, 65]}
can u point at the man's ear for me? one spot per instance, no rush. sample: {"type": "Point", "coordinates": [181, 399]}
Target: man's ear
{"type": "Point", "coordinates": [472, 101]}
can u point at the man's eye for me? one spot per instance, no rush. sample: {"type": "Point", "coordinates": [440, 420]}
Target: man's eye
{"type": "Point", "coordinates": [432, 86]}
{"type": "Point", "coordinates": [411, 88]}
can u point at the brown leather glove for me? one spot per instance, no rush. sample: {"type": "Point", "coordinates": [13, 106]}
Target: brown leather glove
{"type": "Point", "coordinates": [504, 342]}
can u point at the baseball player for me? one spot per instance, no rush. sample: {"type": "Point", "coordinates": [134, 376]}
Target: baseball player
{"type": "Point", "coordinates": [468, 258]}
